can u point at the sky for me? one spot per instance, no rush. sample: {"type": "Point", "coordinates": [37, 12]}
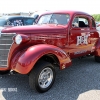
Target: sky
{"type": "Point", "coordinates": [13, 6]}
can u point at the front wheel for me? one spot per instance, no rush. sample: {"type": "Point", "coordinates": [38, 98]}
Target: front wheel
{"type": "Point", "coordinates": [97, 59]}
{"type": "Point", "coordinates": [42, 77]}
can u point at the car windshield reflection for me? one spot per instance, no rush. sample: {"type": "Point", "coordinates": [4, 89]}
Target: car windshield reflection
{"type": "Point", "coordinates": [61, 19]}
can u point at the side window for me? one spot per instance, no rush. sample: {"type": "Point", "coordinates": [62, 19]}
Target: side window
{"type": "Point", "coordinates": [28, 21]}
{"type": "Point", "coordinates": [75, 22]}
{"type": "Point", "coordinates": [17, 22]}
{"type": "Point", "coordinates": [80, 22]}
{"type": "Point", "coordinates": [83, 22]}
{"type": "Point", "coordinates": [93, 23]}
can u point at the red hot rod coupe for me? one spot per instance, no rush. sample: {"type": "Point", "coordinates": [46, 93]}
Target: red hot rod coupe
{"type": "Point", "coordinates": [56, 38]}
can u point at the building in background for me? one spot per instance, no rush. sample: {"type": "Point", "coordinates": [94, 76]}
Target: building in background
{"type": "Point", "coordinates": [17, 14]}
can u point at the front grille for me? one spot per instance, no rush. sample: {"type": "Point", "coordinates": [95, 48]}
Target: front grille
{"type": "Point", "coordinates": [5, 43]}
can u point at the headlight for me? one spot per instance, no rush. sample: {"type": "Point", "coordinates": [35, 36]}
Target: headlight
{"type": "Point", "coordinates": [18, 39]}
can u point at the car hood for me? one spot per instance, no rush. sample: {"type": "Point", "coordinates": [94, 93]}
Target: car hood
{"type": "Point", "coordinates": [44, 28]}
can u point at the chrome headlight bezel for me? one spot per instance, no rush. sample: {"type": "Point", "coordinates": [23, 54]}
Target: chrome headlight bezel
{"type": "Point", "coordinates": [18, 39]}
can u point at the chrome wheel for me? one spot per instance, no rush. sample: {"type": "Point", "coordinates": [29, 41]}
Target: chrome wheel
{"type": "Point", "coordinates": [42, 76]}
{"type": "Point", "coordinates": [45, 77]}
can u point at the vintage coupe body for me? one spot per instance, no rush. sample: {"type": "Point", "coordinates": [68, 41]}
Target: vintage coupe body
{"type": "Point", "coordinates": [56, 39]}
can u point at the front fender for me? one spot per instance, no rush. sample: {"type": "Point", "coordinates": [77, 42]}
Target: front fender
{"type": "Point", "coordinates": [28, 59]}
{"type": "Point", "coordinates": [97, 48]}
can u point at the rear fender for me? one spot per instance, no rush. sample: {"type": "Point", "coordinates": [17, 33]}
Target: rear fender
{"type": "Point", "coordinates": [28, 59]}
{"type": "Point", "coordinates": [97, 48]}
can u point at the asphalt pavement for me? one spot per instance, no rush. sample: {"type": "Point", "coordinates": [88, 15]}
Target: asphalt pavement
{"type": "Point", "coordinates": [81, 81]}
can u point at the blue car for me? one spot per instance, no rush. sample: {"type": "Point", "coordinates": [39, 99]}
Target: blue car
{"type": "Point", "coordinates": [16, 21]}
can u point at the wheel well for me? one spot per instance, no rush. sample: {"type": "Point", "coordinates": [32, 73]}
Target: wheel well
{"type": "Point", "coordinates": [51, 58]}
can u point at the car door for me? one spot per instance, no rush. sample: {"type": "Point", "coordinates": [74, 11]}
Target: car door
{"type": "Point", "coordinates": [79, 36]}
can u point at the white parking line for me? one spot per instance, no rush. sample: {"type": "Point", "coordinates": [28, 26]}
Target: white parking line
{"type": "Point", "coordinates": [90, 95]}
{"type": "Point", "coordinates": [1, 95]}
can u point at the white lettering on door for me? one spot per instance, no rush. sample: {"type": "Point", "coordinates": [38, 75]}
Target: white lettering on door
{"type": "Point", "coordinates": [82, 40]}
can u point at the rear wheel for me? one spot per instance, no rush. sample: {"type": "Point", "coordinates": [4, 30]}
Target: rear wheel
{"type": "Point", "coordinates": [42, 77]}
{"type": "Point", "coordinates": [97, 59]}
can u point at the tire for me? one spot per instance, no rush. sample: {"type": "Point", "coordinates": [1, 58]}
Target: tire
{"type": "Point", "coordinates": [42, 77]}
{"type": "Point", "coordinates": [97, 59]}
{"type": "Point", "coordinates": [4, 72]}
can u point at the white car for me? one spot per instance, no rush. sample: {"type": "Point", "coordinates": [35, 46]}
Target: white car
{"type": "Point", "coordinates": [36, 14]}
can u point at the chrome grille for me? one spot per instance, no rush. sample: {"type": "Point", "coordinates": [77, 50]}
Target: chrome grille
{"type": "Point", "coordinates": [5, 43]}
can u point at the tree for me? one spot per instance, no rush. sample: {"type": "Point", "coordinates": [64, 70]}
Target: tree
{"type": "Point", "coordinates": [96, 17]}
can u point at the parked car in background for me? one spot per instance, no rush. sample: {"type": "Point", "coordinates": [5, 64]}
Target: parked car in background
{"type": "Point", "coordinates": [15, 21]}
{"type": "Point", "coordinates": [97, 24]}
{"type": "Point", "coordinates": [6, 21]}
{"type": "Point", "coordinates": [98, 27]}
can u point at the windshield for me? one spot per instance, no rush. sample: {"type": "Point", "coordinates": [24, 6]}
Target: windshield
{"type": "Point", "coordinates": [2, 22]}
{"type": "Point", "coordinates": [62, 19]}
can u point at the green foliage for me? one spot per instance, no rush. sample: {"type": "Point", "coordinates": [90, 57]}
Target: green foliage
{"type": "Point", "coordinates": [96, 17]}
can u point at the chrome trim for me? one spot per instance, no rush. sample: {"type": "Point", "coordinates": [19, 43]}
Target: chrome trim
{"type": "Point", "coordinates": [45, 78]}
{"type": "Point", "coordinates": [5, 44]}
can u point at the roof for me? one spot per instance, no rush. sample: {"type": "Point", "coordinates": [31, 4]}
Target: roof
{"type": "Point", "coordinates": [66, 11]}
{"type": "Point", "coordinates": [10, 17]}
